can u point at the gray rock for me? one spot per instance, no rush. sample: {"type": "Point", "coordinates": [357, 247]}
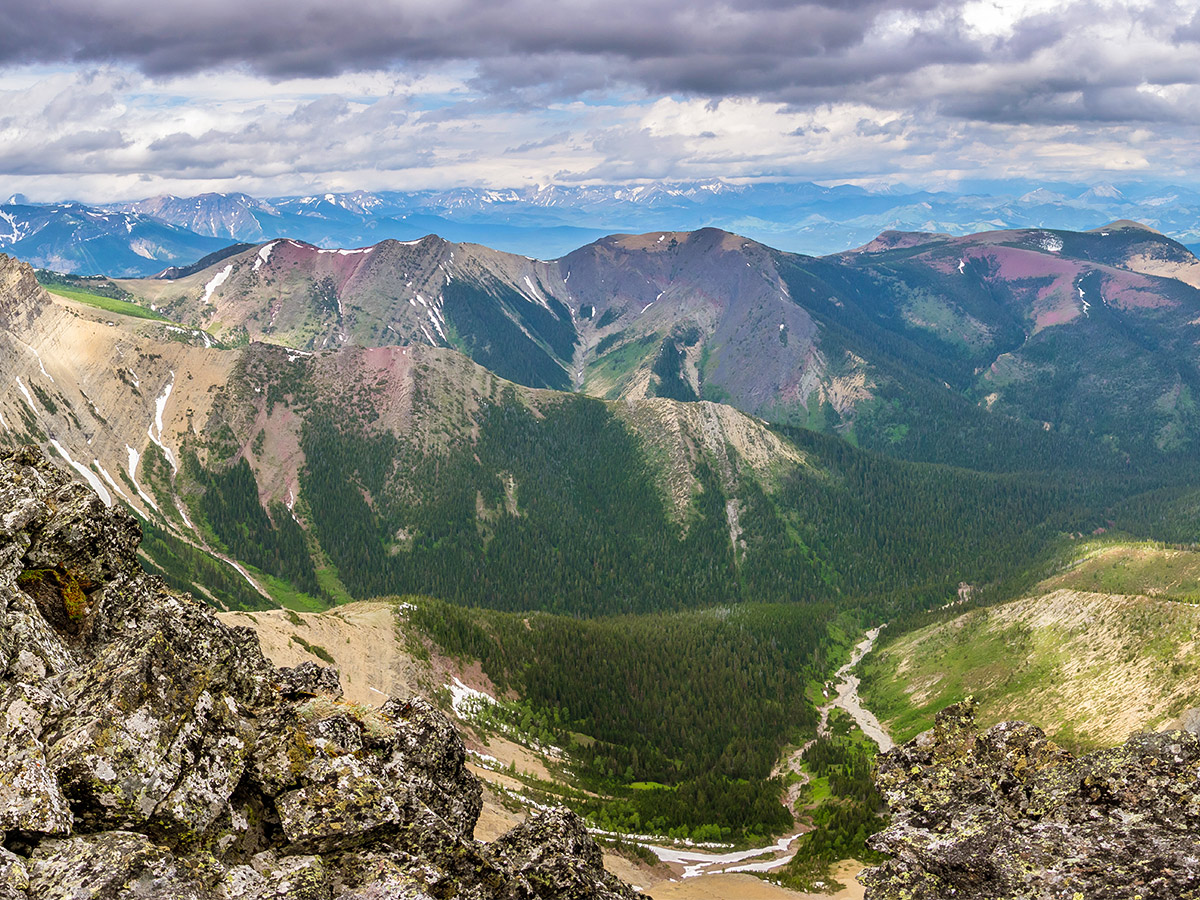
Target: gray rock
{"type": "Point", "coordinates": [1008, 814]}
{"type": "Point", "coordinates": [113, 865]}
{"type": "Point", "coordinates": [307, 680]}
{"type": "Point", "coordinates": [14, 876]}
{"type": "Point", "coordinates": [554, 856]}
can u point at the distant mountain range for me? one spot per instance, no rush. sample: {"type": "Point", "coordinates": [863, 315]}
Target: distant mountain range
{"type": "Point", "coordinates": [143, 237]}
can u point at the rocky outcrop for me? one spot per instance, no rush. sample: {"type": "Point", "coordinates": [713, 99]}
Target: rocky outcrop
{"type": "Point", "coordinates": [147, 750]}
{"type": "Point", "coordinates": [1008, 814]}
{"type": "Point", "coordinates": [20, 294]}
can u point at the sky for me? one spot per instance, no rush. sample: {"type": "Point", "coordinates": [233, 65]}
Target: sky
{"type": "Point", "coordinates": [104, 100]}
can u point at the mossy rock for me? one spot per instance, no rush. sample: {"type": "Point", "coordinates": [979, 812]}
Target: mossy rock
{"type": "Point", "coordinates": [61, 597]}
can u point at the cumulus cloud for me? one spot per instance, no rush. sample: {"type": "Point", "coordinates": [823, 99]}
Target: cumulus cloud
{"type": "Point", "coordinates": [301, 94]}
{"type": "Point", "coordinates": [799, 53]}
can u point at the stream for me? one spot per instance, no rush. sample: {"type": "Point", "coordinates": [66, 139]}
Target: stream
{"type": "Point", "coordinates": [847, 697]}
{"type": "Point", "coordinates": [696, 862]}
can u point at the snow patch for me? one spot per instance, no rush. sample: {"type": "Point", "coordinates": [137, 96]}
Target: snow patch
{"type": "Point", "coordinates": [87, 473]}
{"type": "Point", "coordinates": [111, 483]}
{"type": "Point", "coordinates": [961, 266]}
{"type": "Point", "coordinates": [25, 391]}
{"type": "Point", "coordinates": [462, 698]}
{"type": "Point", "coordinates": [264, 254]}
{"type": "Point", "coordinates": [436, 324]}
{"type": "Point", "coordinates": [1049, 242]}
{"type": "Point", "coordinates": [161, 403]}
{"type": "Point", "coordinates": [42, 365]}
{"type": "Point", "coordinates": [696, 863]}
{"type": "Point", "coordinates": [216, 281]}
{"type": "Point", "coordinates": [134, 456]}
{"type": "Point", "coordinates": [186, 520]}
{"type": "Point", "coordinates": [648, 305]}
{"type": "Point", "coordinates": [17, 231]}
{"type": "Point", "coordinates": [193, 332]}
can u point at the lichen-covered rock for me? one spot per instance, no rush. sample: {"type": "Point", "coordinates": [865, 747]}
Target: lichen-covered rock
{"type": "Point", "coordinates": [114, 865]}
{"type": "Point", "coordinates": [1008, 814]}
{"type": "Point", "coordinates": [553, 854]}
{"type": "Point", "coordinates": [308, 680]}
{"type": "Point", "coordinates": [30, 796]}
{"type": "Point", "coordinates": [148, 751]}
{"type": "Point", "coordinates": [294, 877]}
{"type": "Point", "coordinates": [14, 877]}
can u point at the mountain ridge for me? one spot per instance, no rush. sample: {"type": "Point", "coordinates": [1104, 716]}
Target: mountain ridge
{"type": "Point", "coordinates": [843, 342]}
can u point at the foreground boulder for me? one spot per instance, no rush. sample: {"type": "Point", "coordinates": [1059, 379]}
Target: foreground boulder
{"type": "Point", "coordinates": [1008, 814]}
{"type": "Point", "coordinates": [147, 750]}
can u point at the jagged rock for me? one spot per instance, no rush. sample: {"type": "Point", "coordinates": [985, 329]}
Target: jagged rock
{"type": "Point", "coordinates": [546, 851]}
{"type": "Point", "coordinates": [20, 294]}
{"type": "Point", "coordinates": [14, 877]}
{"type": "Point", "coordinates": [147, 750]}
{"type": "Point", "coordinates": [113, 864]}
{"type": "Point", "coordinates": [30, 796]}
{"type": "Point", "coordinates": [307, 680]}
{"type": "Point", "coordinates": [294, 877]}
{"type": "Point", "coordinates": [1008, 814]}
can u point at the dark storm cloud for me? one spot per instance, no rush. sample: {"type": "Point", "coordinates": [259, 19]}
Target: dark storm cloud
{"type": "Point", "coordinates": [657, 88]}
{"type": "Point", "coordinates": [715, 47]}
{"type": "Point", "coordinates": [532, 52]}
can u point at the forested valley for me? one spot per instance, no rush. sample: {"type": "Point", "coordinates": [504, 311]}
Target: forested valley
{"type": "Point", "coordinates": [671, 658]}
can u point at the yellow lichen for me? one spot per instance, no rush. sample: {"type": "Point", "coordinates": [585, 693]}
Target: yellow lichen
{"type": "Point", "coordinates": [68, 587]}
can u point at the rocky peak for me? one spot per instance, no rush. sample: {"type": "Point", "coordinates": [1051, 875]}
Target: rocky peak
{"type": "Point", "coordinates": [147, 750]}
{"type": "Point", "coordinates": [20, 293]}
{"type": "Point", "coordinates": [1006, 813]}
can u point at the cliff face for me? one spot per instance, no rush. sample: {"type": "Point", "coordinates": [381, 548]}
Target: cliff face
{"type": "Point", "coordinates": [1008, 814]}
{"type": "Point", "coordinates": [147, 750]}
{"type": "Point", "coordinates": [20, 293]}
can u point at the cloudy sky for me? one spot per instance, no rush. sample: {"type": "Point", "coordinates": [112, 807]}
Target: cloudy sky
{"type": "Point", "coordinates": [120, 99]}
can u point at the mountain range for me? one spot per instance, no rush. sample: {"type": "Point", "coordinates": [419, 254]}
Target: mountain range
{"type": "Point", "coordinates": [882, 345]}
{"type": "Point", "coordinates": [142, 237]}
{"type": "Point", "coordinates": [694, 372]}
{"type": "Point", "coordinates": [700, 463]}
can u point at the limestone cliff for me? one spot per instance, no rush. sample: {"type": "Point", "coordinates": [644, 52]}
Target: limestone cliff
{"type": "Point", "coordinates": [147, 750]}
{"type": "Point", "coordinates": [20, 293]}
{"type": "Point", "coordinates": [1008, 814]}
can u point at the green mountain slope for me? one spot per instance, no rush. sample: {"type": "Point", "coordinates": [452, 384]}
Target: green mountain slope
{"type": "Point", "coordinates": [418, 471]}
{"type": "Point", "coordinates": [1030, 349]}
{"type": "Point", "coordinates": [1102, 650]}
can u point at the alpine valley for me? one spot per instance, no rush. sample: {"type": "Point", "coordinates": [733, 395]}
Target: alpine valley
{"type": "Point", "coordinates": [624, 513]}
